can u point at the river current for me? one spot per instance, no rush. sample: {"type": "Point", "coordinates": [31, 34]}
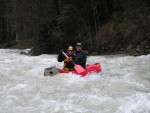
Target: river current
{"type": "Point", "coordinates": [123, 86]}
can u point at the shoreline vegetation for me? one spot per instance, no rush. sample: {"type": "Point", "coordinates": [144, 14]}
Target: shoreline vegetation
{"type": "Point", "coordinates": [103, 27]}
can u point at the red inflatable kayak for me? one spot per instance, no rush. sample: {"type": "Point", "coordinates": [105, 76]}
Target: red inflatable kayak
{"type": "Point", "coordinates": [89, 69]}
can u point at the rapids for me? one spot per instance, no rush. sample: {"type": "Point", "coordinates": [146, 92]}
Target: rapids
{"type": "Point", "coordinates": [123, 86]}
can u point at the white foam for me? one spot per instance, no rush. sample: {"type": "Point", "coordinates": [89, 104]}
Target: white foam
{"type": "Point", "coordinates": [123, 86]}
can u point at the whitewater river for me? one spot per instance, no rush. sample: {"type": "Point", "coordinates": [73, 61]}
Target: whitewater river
{"type": "Point", "coordinates": [122, 87]}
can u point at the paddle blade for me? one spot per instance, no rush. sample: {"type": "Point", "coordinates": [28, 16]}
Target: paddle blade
{"type": "Point", "coordinates": [79, 69]}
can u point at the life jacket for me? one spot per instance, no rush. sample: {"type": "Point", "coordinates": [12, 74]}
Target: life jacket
{"type": "Point", "coordinates": [67, 65]}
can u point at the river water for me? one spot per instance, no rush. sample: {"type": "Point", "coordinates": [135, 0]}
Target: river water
{"type": "Point", "coordinates": [123, 86]}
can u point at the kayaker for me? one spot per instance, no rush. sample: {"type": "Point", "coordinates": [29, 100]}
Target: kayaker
{"type": "Point", "coordinates": [80, 55]}
{"type": "Point", "coordinates": [68, 64]}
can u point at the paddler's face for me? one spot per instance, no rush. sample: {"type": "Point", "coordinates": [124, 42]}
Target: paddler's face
{"type": "Point", "coordinates": [79, 48]}
{"type": "Point", "coordinates": [70, 52]}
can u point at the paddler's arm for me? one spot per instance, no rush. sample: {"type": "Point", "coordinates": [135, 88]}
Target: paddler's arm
{"type": "Point", "coordinates": [60, 57]}
{"type": "Point", "coordinates": [81, 58]}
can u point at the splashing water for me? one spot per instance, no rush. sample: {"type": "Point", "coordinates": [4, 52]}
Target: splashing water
{"type": "Point", "coordinates": [123, 86]}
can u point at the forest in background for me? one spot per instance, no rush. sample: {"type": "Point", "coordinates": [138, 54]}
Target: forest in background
{"type": "Point", "coordinates": [103, 26]}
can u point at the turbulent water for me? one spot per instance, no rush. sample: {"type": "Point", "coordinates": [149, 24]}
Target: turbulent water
{"type": "Point", "coordinates": [123, 86]}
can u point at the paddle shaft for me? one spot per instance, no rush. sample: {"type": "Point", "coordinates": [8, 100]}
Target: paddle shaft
{"type": "Point", "coordinates": [68, 57]}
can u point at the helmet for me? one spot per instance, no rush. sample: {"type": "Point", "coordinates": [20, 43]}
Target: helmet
{"type": "Point", "coordinates": [70, 48]}
{"type": "Point", "coordinates": [79, 45]}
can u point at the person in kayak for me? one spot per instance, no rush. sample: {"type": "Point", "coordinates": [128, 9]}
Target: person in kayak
{"type": "Point", "coordinates": [80, 55]}
{"type": "Point", "coordinates": [68, 64]}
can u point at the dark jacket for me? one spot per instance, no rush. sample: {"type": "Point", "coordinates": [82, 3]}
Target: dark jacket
{"type": "Point", "coordinates": [80, 58]}
{"type": "Point", "coordinates": [68, 65]}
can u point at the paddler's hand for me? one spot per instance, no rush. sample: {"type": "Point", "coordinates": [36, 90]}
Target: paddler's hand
{"type": "Point", "coordinates": [86, 52]}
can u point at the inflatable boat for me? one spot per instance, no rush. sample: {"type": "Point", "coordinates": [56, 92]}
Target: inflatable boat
{"type": "Point", "coordinates": [51, 71]}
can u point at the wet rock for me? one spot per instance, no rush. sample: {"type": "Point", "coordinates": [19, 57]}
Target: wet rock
{"type": "Point", "coordinates": [146, 50]}
{"type": "Point", "coordinates": [26, 52]}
